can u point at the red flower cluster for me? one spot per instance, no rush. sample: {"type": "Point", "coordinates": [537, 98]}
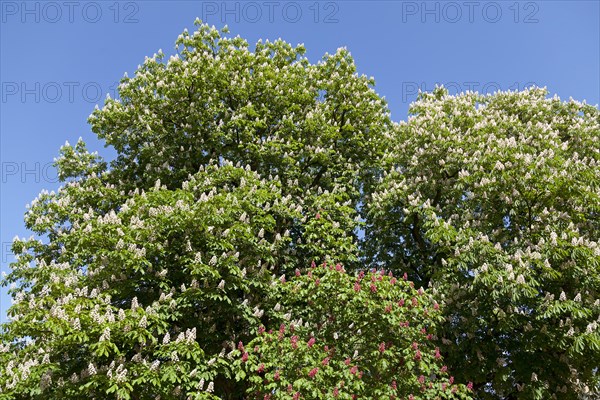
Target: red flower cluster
{"type": "Point", "coordinates": [294, 340]}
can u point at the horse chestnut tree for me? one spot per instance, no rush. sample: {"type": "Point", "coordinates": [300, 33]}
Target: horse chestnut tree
{"type": "Point", "coordinates": [236, 245]}
{"type": "Point", "coordinates": [494, 201]}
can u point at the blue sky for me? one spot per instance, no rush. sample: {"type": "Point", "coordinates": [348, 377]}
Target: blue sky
{"type": "Point", "coordinates": [58, 59]}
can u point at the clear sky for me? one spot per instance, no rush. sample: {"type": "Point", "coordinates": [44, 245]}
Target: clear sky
{"type": "Point", "coordinates": [58, 59]}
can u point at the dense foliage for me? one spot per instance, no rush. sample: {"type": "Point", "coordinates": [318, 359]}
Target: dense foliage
{"type": "Point", "coordinates": [496, 201]}
{"type": "Point", "coordinates": [236, 246]}
{"type": "Point", "coordinates": [348, 337]}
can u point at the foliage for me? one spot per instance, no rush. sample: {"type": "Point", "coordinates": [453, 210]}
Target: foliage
{"type": "Point", "coordinates": [313, 127]}
{"type": "Point", "coordinates": [348, 337]}
{"type": "Point", "coordinates": [495, 199]}
{"type": "Point", "coordinates": [233, 166]}
{"type": "Point", "coordinates": [162, 274]}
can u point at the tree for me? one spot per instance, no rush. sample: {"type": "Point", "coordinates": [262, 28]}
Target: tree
{"type": "Point", "coordinates": [369, 336]}
{"type": "Point", "coordinates": [495, 202]}
{"type": "Point", "coordinates": [233, 168]}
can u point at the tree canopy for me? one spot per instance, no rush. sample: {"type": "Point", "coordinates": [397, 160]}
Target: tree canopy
{"type": "Point", "coordinates": [495, 201]}
{"type": "Point", "coordinates": [266, 231]}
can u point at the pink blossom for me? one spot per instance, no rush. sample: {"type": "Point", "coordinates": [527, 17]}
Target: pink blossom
{"type": "Point", "coordinates": [261, 368]}
{"type": "Point", "coordinates": [313, 372]}
{"type": "Point", "coordinates": [470, 386]}
{"type": "Point", "coordinates": [436, 306]}
{"type": "Point", "coordinates": [338, 267]}
{"type": "Point", "coordinates": [437, 353]}
{"type": "Point", "coordinates": [381, 347]}
{"type": "Point", "coordinates": [418, 355]}
{"type": "Point", "coordinates": [296, 396]}
{"type": "Point", "coordinates": [444, 369]}
{"type": "Point", "coordinates": [318, 216]}
{"type": "Point", "coordinates": [405, 277]}
{"type": "Point", "coordinates": [317, 282]}
{"type": "Point", "coordinates": [415, 345]}
{"type": "Point", "coordinates": [373, 288]}
{"type": "Point", "coordinates": [245, 356]}
{"type": "Point", "coordinates": [354, 369]}
{"type": "Point", "coordinates": [393, 281]}
{"type": "Point", "coordinates": [294, 340]}
{"type": "Point", "coordinates": [401, 303]}
{"type": "Point", "coordinates": [311, 342]}
{"type": "Point", "coordinates": [415, 302]}
{"type": "Point", "coordinates": [347, 361]}
{"type": "Point", "coordinates": [451, 380]}
{"type": "Point", "coordinates": [421, 379]}
{"type": "Point", "coordinates": [240, 346]}
{"type": "Point", "coordinates": [394, 385]}
{"type": "Point", "coordinates": [297, 272]}
{"type": "Point", "coordinates": [325, 361]}
{"type": "Point", "coordinates": [276, 376]}
{"type": "Point", "coordinates": [312, 264]}
{"type": "Point", "coordinates": [356, 287]}
{"type": "Point", "coordinates": [336, 392]}
{"type": "Point", "coordinates": [261, 329]}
